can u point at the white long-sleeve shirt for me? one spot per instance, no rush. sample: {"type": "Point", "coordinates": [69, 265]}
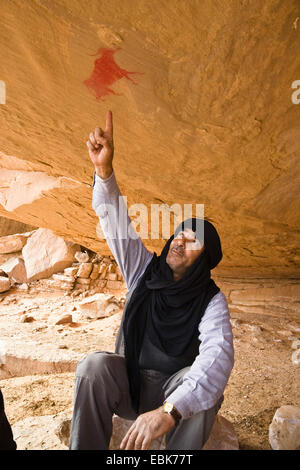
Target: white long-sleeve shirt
{"type": "Point", "coordinates": [204, 383]}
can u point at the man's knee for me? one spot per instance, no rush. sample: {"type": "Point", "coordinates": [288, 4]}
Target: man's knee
{"type": "Point", "coordinates": [96, 365]}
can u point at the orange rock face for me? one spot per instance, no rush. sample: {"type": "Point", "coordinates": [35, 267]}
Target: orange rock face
{"type": "Point", "coordinates": [209, 118]}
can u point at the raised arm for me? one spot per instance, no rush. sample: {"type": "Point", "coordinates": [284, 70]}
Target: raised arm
{"type": "Point", "coordinates": [101, 148]}
{"type": "Point", "coordinates": [130, 253]}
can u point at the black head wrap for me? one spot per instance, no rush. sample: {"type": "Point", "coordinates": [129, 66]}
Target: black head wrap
{"type": "Point", "coordinates": [171, 309]}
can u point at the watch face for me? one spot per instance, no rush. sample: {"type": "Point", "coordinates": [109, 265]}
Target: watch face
{"type": "Point", "coordinates": [168, 407]}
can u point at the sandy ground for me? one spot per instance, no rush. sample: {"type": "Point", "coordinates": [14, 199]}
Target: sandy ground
{"type": "Point", "coordinates": [263, 379]}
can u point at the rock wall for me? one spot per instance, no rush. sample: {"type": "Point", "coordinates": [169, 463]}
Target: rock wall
{"type": "Point", "coordinates": [101, 274]}
{"type": "Point", "coordinates": [201, 96]}
{"type": "Point", "coordinates": [272, 297]}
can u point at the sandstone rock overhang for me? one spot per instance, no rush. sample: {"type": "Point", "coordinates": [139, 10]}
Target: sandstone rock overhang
{"type": "Point", "coordinates": [208, 120]}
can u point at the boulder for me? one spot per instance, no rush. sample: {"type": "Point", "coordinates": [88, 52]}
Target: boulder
{"type": "Point", "coordinates": [284, 431]}
{"type": "Point", "coordinates": [120, 428]}
{"type": "Point", "coordinates": [15, 269]}
{"type": "Point", "coordinates": [7, 256]}
{"type": "Point", "coordinates": [45, 254]}
{"type": "Point", "coordinates": [13, 243]}
{"type": "Point", "coordinates": [98, 306]}
{"type": "Point", "coordinates": [222, 437]}
{"type": "Point", "coordinates": [4, 283]}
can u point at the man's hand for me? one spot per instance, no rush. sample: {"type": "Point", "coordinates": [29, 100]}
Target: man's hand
{"type": "Point", "coordinates": [146, 428]}
{"type": "Point", "coordinates": [101, 148]}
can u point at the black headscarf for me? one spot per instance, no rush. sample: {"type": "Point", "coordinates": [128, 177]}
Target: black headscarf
{"type": "Point", "coordinates": [171, 309]}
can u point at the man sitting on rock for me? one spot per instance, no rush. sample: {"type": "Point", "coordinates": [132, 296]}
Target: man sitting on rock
{"type": "Point", "coordinates": [174, 350]}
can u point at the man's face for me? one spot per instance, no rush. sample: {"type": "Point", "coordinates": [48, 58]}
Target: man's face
{"type": "Point", "coordinates": [183, 251]}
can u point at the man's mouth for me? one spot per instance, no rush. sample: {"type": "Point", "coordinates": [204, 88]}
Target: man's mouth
{"type": "Point", "coordinates": [177, 252]}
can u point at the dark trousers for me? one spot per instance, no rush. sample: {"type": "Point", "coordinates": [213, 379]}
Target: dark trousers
{"type": "Point", "coordinates": [102, 389]}
{"type": "Point", "coordinates": [6, 436]}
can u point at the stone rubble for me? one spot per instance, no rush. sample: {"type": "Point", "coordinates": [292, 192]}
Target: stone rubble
{"type": "Point", "coordinates": [42, 260]}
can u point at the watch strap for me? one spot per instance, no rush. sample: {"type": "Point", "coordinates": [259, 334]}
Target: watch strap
{"type": "Point", "coordinates": [172, 410]}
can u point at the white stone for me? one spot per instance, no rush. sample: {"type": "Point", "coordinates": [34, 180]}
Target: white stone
{"type": "Point", "coordinates": [284, 431]}
{"type": "Point", "coordinates": [23, 286]}
{"type": "Point", "coordinates": [95, 306]}
{"type": "Point", "coordinates": [45, 254]}
{"type": "Point", "coordinates": [82, 256]}
{"type": "Point", "coordinates": [296, 344]}
{"type": "Point", "coordinates": [296, 357]}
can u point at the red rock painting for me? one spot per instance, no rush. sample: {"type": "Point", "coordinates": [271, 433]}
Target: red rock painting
{"type": "Point", "coordinates": [106, 72]}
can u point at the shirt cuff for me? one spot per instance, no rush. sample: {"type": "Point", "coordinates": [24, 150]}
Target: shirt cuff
{"type": "Point", "coordinates": [184, 401]}
{"type": "Point", "coordinates": [98, 178]}
{"type": "Point", "coordinates": [105, 187]}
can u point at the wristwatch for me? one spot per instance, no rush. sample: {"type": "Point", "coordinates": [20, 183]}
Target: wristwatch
{"type": "Point", "coordinates": [171, 410]}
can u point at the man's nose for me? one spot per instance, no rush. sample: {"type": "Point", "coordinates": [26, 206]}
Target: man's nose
{"type": "Point", "coordinates": [180, 242]}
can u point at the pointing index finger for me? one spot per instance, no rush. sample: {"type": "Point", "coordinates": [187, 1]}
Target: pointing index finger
{"type": "Point", "coordinates": [109, 123]}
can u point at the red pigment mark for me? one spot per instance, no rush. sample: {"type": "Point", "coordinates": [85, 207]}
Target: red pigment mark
{"type": "Point", "coordinates": [105, 73]}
